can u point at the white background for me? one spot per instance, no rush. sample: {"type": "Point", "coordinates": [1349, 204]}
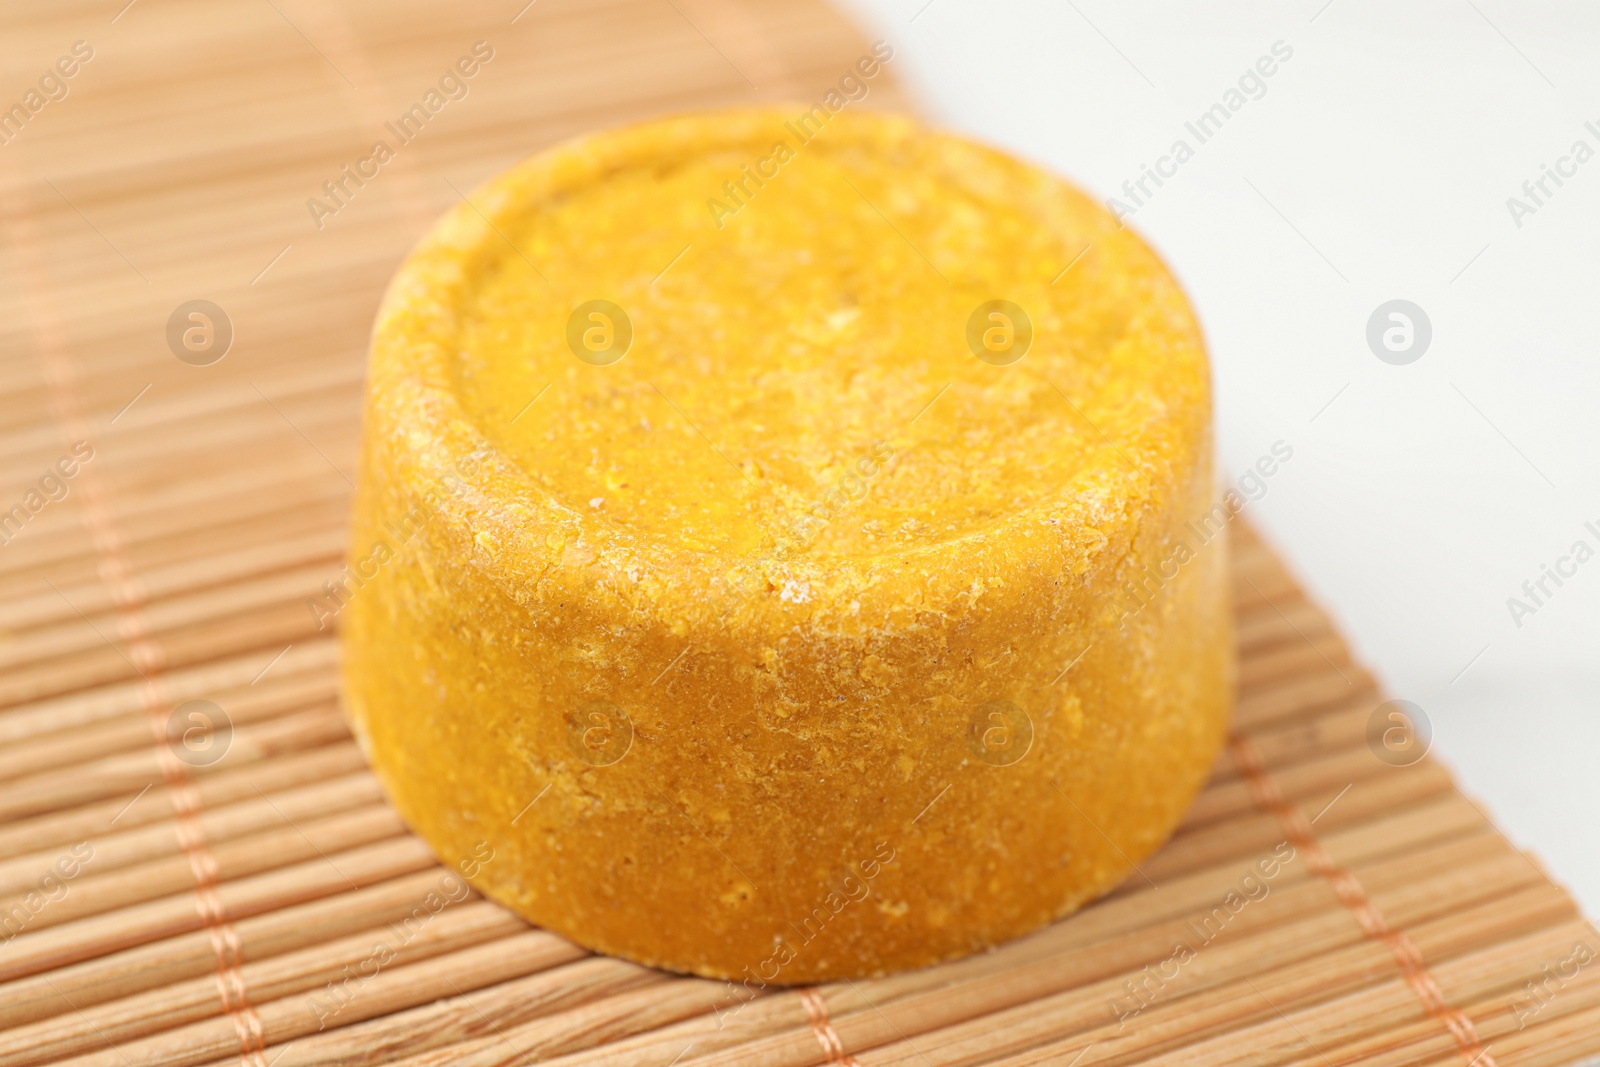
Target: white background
{"type": "Point", "coordinates": [1376, 166]}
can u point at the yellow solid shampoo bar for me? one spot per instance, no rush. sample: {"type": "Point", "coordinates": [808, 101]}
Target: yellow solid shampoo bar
{"type": "Point", "coordinates": [782, 550]}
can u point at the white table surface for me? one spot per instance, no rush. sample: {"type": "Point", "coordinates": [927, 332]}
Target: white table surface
{"type": "Point", "coordinates": [1376, 165]}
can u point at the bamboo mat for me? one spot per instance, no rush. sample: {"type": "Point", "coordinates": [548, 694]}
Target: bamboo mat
{"type": "Point", "coordinates": [196, 866]}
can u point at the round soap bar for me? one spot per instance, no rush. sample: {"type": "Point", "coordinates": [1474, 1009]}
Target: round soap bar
{"type": "Point", "coordinates": [785, 548]}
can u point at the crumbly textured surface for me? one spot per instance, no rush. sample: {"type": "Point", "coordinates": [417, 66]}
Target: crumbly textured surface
{"type": "Point", "coordinates": [823, 633]}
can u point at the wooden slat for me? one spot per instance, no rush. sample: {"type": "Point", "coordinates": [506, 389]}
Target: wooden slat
{"type": "Point", "coordinates": [224, 906]}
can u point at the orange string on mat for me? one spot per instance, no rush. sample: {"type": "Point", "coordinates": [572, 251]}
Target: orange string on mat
{"type": "Point", "coordinates": [144, 650]}
{"type": "Point", "coordinates": [1350, 892]}
{"type": "Point", "coordinates": [827, 1036]}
